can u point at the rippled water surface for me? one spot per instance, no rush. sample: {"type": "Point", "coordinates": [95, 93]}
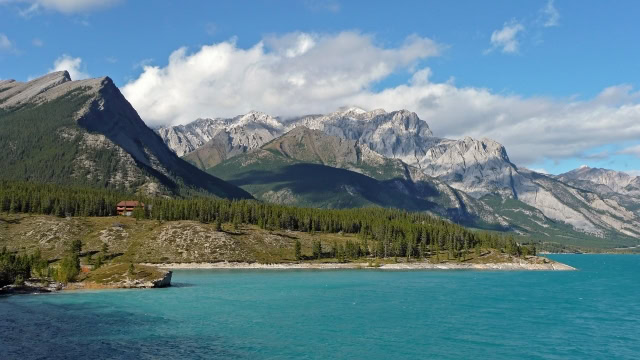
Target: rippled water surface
{"type": "Point", "coordinates": [593, 313]}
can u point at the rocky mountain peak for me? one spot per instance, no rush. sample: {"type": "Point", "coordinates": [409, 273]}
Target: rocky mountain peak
{"type": "Point", "coordinates": [477, 167]}
{"type": "Point", "coordinates": [353, 110]}
{"type": "Point", "coordinates": [616, 181]}
{"type": "Point", "coordinates": [255, 117]}
{"type": "Point", "coordinates": [16, 93]}
{"type": "Point", "coordinates": [91, 120]}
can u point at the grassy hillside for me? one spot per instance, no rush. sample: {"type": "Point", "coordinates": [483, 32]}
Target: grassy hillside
{"type": "Point", "coordinates": [150, 241]}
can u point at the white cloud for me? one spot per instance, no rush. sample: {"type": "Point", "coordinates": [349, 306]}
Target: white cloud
{"type": "Point", "coordinates": [63, 6]}
{"type": "Point", "coordinates": [301, 73]}
{"type": "Point", "coordinates": [37, 42]}
{"type": "Point", "coordinates": [633, 172]}
{"type": "Point", "coordinates": [72, 65]}
{"type": "Point", "coordinates": [540, 170]}
{"type": "Point", "coordinates": [288, 75]}
{"type": "Point", "coordinates": [142, 64]}
{"type": "Point", "coordinates": [632, 150]}
{"type": "Point", "coordinates": [551, 14]}
{"type": "Point", "coordinates": [506, 38]}
{"type": "Point", "coordinates": [5, 43]}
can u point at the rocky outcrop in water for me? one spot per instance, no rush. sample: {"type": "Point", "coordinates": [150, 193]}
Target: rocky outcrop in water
{"type": "Point", "coordinates": [32, 286]}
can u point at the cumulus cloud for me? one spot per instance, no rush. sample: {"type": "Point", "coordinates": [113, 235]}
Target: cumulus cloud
{"type": "Point", "coordinates": [506, 39]}
{"type": "Point", "coordinates": [72, 65]}
{"type": "Point", "coordinates": [287, 75]}
{"type": "Point", "coordinates": [551, 15]}
{"type": "Point", "coordinates": [64, 6]}
{"type": "Point", "coordinates": [302, 73]}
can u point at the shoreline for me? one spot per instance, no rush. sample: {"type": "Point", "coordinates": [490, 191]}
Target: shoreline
{"type": "Point", "coordinates": [514, 266]}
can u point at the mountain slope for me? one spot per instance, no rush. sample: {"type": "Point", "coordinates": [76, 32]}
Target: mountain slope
{"type": "Point", "coordinates": [482, 169]}
{"type": "Point", "coordinates": [85, 132]}
{"type": "Point", "coordinates": [309, 168]}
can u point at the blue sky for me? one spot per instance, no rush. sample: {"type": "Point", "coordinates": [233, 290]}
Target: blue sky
{"type": "Point", "coordinates": [538, 68]}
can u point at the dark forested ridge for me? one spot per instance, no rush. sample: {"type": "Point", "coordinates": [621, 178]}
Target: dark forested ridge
{"type": "Point", "coordinates": [87, 134]}
{"type": "Point", "coordinates": [381, 232]}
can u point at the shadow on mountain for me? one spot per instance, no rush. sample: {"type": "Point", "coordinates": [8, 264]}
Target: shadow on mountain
{"type": "Point", "coordinates": [118, 121]}
{"type": "Point", "coordinates": [332, 187]}
{"type": "Point", "coordinates": [291, 182]}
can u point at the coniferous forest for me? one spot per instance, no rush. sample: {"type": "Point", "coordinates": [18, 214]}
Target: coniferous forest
{"type": "Point", "coordinates": [382, 232]}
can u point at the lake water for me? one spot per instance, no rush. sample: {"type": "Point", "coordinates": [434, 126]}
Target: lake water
{"type": "Point", "coordinates": [593, 313]}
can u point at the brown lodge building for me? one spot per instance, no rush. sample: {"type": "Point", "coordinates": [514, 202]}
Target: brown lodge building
{"type": "Point", "coordinates": [126, 207]}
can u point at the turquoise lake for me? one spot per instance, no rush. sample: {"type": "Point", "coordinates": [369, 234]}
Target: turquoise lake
{"type": "Point", "coordinates": [593, 313]}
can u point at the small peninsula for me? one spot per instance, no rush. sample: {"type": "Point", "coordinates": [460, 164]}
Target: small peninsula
{"type": "Point", "coordinates": [73, 253]}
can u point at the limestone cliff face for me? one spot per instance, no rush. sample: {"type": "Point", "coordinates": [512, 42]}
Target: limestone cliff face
{"type": "Point", "coordinates": [399, 134]}
{"type": "Point", "coordinates": [35, 91]}
{"type": "Point", "coordinates": [603, 181]}
{"type": "Point", "coordinates": [249, 131]}
{"type": "Point", "coordinates": [478, 167]}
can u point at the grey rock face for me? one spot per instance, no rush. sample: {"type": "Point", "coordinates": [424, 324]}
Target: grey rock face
{"type": "Point", "coordinates": [16, 93]}
{"type": "Point", "coordinates": [604, 180]}
{"type": "Point", "coordinates": [249, 131]}
{"type": "Point", "coordinates": [184, 139]}
{"type": "Point", "coordinates": [399, 134]}
{"type": "Point", "coordinates": [478, 167]}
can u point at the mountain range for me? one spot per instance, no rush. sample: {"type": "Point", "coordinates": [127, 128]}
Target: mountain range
{"type": "Point", "coordinates": [472, 181]}
{"type": "Point", "coordinates": [53, 129]}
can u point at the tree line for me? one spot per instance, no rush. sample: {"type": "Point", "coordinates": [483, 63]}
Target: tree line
{"type": "Point", "coordinates": [381, 232]}
{"type": "Point", "coordinates": [15, 268]}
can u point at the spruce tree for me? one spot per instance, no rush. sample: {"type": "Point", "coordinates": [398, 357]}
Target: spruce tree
{"type": "Point", "coordinates": [298, 250]}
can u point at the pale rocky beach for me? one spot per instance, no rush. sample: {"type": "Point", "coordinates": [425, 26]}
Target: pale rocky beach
{"type": "Point", "coordinates": [523, 265]}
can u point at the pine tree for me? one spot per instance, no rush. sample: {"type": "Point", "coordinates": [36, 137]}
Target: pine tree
{"type": "Point", "coordinates": [218, 224]}
{"type": "Point", "coordinates": [317, 249]}
{"type": "Point", "coordinates": [298, 250]}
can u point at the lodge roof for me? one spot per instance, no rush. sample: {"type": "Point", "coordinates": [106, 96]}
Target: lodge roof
{"type": "Point", "coordinates": [129, 203]}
